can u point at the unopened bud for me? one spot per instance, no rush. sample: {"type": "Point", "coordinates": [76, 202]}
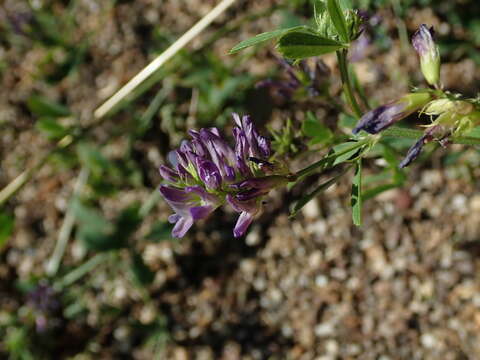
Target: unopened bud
{"type": "Point", "coordinates": [428, 52]}
{"type": "Point", "coordinates": [384, 116]}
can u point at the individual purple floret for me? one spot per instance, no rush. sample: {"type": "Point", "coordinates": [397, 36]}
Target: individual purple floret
{"type": "Point", "coordinates": [436, 131]}
{"type": "Point", "coordinates": [206, 172]}
{"type": "Point", "coordinates": [414, 152]}
{"type": "Point", "coordinates": [380, 118]}
{"type": "Point", "coordinates": [384, 116]}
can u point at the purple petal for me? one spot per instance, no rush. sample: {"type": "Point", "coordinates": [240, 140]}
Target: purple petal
{"type": "Point", "coordinates": [229, 173]}
{"type": "Point", "coordinates": [215, 131]}
{"type": "Point", "coordinates": [181, 227]}
{"type": "Point", "coordinates": [264, 146]}
{"type": "Point", "coordinates": [174, 195]}
{"type": "Point", "coordinates": [237, 119]}
{"type": "Point", "coordinates": [178, 157]}
{"type": "Point", "coordinates": [414, 152]}
{"type": "Point", "coordinates": [250, 194]}
{"type": "Point", "coordinates": [168, 174]}
{"type": "Point", "coordinates": [205, 196]}
{"type": "Point", "coordinates": [382, 117]}
{"type": "Point", "coordinates": [241, 206]}
{"type": "Point", "coordinates": [172, 219]}
{"type": "Point", "coordinates": [209, 173]}
{"type": "Point", "coordinates": [184, 174]}
{"type": "Point", "coordinates": [173, 158]}
{"type": "Point", "coordinates": [422, 40]}
{"type": "Point", "coordinates": [218, 148]}
{"type": "Point", "coordinates": [264, 183]}
{"type": "Point", "coordinates": [243, 222]}
{"type": "Point", "coordinates": [201, 212]}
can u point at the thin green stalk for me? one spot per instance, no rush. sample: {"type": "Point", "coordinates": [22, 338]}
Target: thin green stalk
{"type": "Point", "coordinates": [359, 88]}
{"type": "Point", "coordinates": [82, 270]}
{"type": "Point", "coordinates": [66, 228]}
{"type": "Point", "coordinates": [311, 168]}
{"type": "Point", "coordinates": [347, 84]}
{"type": "Point", "coordinates": [395, 131]}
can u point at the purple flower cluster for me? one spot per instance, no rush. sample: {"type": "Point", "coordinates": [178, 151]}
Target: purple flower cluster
{"type": "Point", "coordinates": [206, 172]}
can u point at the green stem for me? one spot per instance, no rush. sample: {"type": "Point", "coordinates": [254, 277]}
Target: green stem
{"type": "Point", "coordinates": [359, 89]}
{"type": "Point", "coordinates": [395, 131]}
{"type": "Point", "coordinates": [311, 168]}
{"type": "Point", "coordinates": [82, 270]}
{"type": "Point", "coordinates": [347, 84]}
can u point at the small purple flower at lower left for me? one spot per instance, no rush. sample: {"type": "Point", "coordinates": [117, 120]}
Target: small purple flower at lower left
{"type": "Point", "coordinates": [206, 173]}
{"type": "Point", "coordinates": [45, 303]}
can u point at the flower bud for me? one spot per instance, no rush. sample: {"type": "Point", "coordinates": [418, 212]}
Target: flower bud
{"type": "Point", "coordinates": [428, 52]}
{"type": "Point", "coordinates": [384, 116]}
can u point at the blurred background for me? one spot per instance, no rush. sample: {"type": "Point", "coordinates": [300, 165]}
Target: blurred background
{"type": "Point", "coordinates": [88, 269]}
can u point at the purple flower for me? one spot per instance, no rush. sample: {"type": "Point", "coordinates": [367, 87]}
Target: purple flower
{"type": "Point", "coordinates": [190, 203]}
{"type": "Point", "coordinates": [45, 302]}
{"type": "Point", "coordinates": [206, 172]}
{"type": "Point", "coordinates": [428, 52]}
{"type": "Point", "coordinates": [384, 116]}
{"type": "Point", "coordinates": [308, 78]}
{"type": "Point", "coordinates": [413, 152]}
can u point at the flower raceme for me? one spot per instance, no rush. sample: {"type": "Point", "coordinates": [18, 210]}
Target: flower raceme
{"type": "Point", "coordinates": [206, 172]}
{"type": "Point", "coordinates": [448, 117]}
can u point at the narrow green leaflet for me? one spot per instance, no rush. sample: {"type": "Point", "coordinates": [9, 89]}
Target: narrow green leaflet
{"type": "Point", "coordinates": [344, 154]}
{"type": "Point", "coordinates": [371, 193]}
{"type": "Point", "coordinates": [91, 157]}
{"type": "Point", "coordinates": [313, 128]}
{"type": "Point", "coordinates": [51, 128]}
{"type": "Point", "coordinates": [41, 106]}
{"type": "Point", "coordinates": [324, 186]}
{"type": "Point", "coordinates": [6, 228]}
{"type": "Point", "coordinates": [299, 45]}
{"type": "Point", "coordinates": [338, 19]}
{"type": "Point", "coordinates": [260, 38]}
{"type": "Point", "coordinates": [356, 199]}
{"type": "Point", "coordinates": [141, 272]}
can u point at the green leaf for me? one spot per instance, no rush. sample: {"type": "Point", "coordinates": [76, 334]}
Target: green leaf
{"type": "Point", "coordinates": [371, 193]}
{"type": "Point", "coordinates": [51, 128]}
{"type": "Point", "coordinates": [356, 199]}
{"type": "Point", "coordinates": [98, 241]}
{"type": "Point", "coordinates": [347, 121]}
{"type": "Point", "coordinates": [6, 228]}
{"type": "Point", "coordinates": [324, 186]}
{"type": "Point", "coordinates": [338, 19]}
{"type": "Point", "coordinates": [92, 158]}
{"type": "Point", "coordinates": [89, 217]}
{"type": "Point", "coordinates": [299, 45]}
{"type": "Point", "coordinates": [317, 131]}
{"type": "Point", "coordinates": [344, 154]}
{"type": "Point", "coordinates": [42, 106]}
{"type": "Point", "coordinates": [141, 272]}
{"type": "Point", "coordinates": [94, 230]}
{"type": "Point", "coordinates": [260, 38]}
{"type": "Point", "coordinates": [127, 223]}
